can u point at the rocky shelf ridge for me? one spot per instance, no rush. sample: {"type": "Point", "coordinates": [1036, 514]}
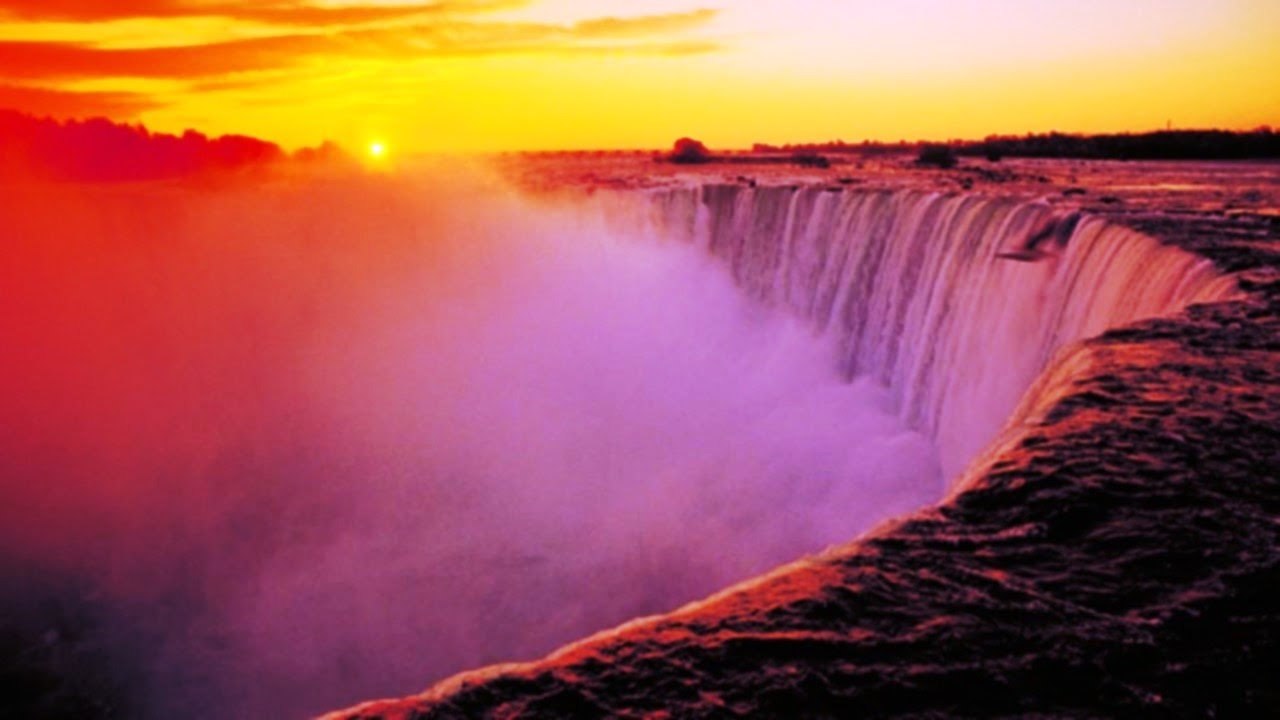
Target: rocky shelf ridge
{"type": "Point", "coordinates": [1114, 553]}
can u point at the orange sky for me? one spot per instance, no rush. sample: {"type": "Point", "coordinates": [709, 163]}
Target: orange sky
{"type": "Point", "coordinates": [507, 74]}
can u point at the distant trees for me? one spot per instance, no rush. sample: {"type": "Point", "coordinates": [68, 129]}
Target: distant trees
{"type": "Point", "coordinates": [1162, 145]}
{"type": "Point", "coordinates": [98, 150]}
{"type": "Point", "coordinates": [688, 151]}
{"type": "Point", "coordinates": [1261, 143]}
{"type": "Point", "coordinates": [835, 147]}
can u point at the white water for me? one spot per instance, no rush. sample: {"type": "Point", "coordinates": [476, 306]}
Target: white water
{"type": "Point", "coordinates": [909, 286]}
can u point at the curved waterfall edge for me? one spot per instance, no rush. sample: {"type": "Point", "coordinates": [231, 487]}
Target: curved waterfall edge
{"type": "Point", "coordinates": [956, 303]}
{"type": "Point", "coordinates": [1140, 449]}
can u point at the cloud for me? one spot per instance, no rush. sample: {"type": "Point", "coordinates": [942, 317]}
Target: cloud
{"type": "Point", "coordinates": [31, 61]}
{"type": "Point", "coordinates": [301, 37]}
{"type": "Point", "coordinates": [645, 25]}
{"type": "Point", "coordinates": [292, 12]}
{"type": "Point", "coordinates": [66, 103]}
{"type": "Point", "coordinates": [20, 60]}
{"type": "Point", "coordinates": [305, 14]}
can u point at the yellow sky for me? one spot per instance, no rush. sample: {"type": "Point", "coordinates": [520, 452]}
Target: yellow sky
{"type": "Point", "coordinates": [463, 75]}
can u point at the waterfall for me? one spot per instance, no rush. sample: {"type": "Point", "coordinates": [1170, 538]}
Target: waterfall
{"type": "Point", "coordinates": [911, 287]}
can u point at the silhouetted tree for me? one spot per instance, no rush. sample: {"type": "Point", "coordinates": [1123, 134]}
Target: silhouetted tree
{"type": "Point", "coordinates": [688, 151]}
{"type": "Point", "coordinates": [936, 155]}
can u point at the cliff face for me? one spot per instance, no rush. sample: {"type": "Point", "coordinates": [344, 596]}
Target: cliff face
{"type": "Point", "coordinates": [1112, 552]}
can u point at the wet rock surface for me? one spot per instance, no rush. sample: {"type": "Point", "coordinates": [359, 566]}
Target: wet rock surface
{"type": "Point", "coordinates": [1114, 553]}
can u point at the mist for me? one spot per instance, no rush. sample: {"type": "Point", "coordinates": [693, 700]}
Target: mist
{"type": "Point", "coordinates": [274, 447]}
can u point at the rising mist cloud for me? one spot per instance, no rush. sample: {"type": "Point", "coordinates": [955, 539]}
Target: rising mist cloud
{"type": "Point", "coordinates": [286, 445]}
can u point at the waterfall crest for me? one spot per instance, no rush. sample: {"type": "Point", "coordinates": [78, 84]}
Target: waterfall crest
{"type": "Point", "coordinates": [912, 289]}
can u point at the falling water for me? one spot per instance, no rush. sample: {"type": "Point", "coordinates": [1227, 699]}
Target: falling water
{"type": "Point", "coordinates": [911, 287]}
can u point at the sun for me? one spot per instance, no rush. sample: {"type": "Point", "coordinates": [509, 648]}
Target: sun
{"type": "Point", "coordinates": [377, 149]}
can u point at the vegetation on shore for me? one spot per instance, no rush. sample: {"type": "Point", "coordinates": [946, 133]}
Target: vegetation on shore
{"type": "Point", "coordinates": [1261, 143]}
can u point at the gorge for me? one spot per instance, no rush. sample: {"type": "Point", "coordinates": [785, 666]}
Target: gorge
{"type": "Point", "coordinates": [1108, 552]}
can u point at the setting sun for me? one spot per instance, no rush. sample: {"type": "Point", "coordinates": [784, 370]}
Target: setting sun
{"type": "Point", "coordinates": [545, 74]}
{"type": "Point", "coordinates": [377, 150]}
